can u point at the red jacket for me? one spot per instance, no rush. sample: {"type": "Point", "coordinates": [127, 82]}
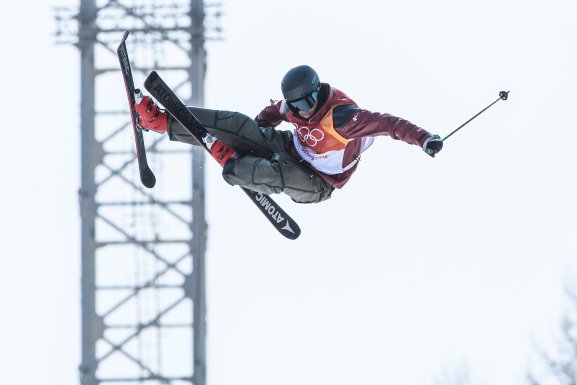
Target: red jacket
{"type": "Point", "coordinates": [340, 127]}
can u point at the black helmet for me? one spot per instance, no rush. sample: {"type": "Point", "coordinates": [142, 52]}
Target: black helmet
{"type": "Point", "coordinates": [299, 82]}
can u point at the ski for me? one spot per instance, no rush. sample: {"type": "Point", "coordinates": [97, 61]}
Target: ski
{"type": "Point", "coordinates": [146, 175]}
{"type": "Point", "coordinates": [284, 224]}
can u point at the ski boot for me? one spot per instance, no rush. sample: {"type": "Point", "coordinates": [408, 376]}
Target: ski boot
{"type": "Point", "coordinates": [219, 150]}
{"type": "Point", "coordinates": [150, 117]}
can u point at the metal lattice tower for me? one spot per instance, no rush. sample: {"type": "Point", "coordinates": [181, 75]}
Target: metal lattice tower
{"type": "Point", "coordinates": [143, 298]}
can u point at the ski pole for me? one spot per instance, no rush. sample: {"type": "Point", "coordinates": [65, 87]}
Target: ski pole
{"type": "Point", "coordinates": [503, 95]}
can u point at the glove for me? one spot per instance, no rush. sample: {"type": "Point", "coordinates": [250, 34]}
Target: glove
{"type": "Point", "coordinates": [150, 117]}
{"type": "Point", "coordinates": [433, 145]}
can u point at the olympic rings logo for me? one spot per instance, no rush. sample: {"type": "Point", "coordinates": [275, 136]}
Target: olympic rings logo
{"type": "Point", "coordinates": [310, 137]}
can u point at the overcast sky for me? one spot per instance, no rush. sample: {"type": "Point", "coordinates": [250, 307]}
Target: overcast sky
{"type": "Point", "coordinates": [417, 266]}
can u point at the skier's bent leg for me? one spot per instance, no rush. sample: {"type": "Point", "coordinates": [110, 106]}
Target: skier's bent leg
{"type": "Point", "coordinates": [276, 175]}
{"type": "Point", "coordinates": [233, 128]}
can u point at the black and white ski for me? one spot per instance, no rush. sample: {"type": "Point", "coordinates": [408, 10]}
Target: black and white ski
{"type": "Point", "coordinates": [146, 175]}
{"type": "Point", "coordinates": [173, 105]}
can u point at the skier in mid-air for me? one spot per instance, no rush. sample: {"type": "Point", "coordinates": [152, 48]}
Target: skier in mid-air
{"type": "Point", "coordinates": [319, 155]}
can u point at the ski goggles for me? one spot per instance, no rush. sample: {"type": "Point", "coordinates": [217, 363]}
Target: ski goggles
{"type": "Point", "coordinates": [306, 103]}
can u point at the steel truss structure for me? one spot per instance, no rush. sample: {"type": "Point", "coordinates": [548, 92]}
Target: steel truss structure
{"type": "Point", "coordinates": [143, 296]}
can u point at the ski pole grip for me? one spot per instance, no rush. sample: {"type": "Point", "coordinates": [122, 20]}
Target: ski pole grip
{"type": "Point", "coordinates": [138, 96]}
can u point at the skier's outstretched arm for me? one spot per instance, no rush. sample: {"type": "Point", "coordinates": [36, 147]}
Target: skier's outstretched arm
{"type": "Point", "coordinates": [363, 123]}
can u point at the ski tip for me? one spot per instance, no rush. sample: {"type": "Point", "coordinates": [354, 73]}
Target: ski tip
{"type": "Point", "coordinates": [148, 179]}
{"type": "Point", "coordinates": [150, 79]}
{"type": "Point", "coordinates": [291, 231]}
{"type": "Point", "coordinates": [123, 40]}
{"type": "Point", "coordinates": [281, 221]}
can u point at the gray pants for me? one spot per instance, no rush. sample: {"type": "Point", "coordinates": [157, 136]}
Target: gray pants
{"type": "Point", "coordinates": [266, 165]}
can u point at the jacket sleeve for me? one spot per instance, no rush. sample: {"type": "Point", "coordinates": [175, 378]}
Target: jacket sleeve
{"type": "Point", "coordinates": [271, 116]}
{"type": "Point", "coordinates": [365, 123]}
